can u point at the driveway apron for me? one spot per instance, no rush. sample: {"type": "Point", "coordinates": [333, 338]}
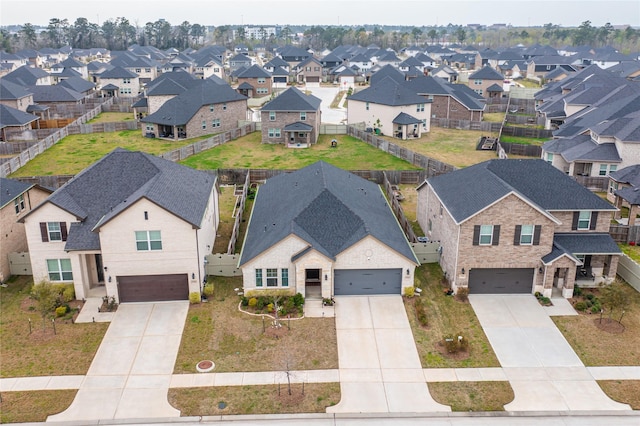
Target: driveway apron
{"type": "Point", "coordinates": [131, 372]}
{"type": "Point", "coordinates": [544, 371]}
{"type": "Point", "coordinates": [379, 366]}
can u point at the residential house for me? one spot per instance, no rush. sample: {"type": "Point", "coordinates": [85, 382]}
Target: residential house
{"type": "Point", "coordinates": [280, 78]}
{"type": "Point", "coordinates": [144, 67]}
{"type": "Point", "coordinates": [275, 63]}
{"type": "Point", "coordinates": [293, 118]}
{"type": "Point", "coordinates": [362, 62]}
{"type": "Point", "coordinates": [11, 58]}
{"type": "Point", "coordinates": [56, 96]}
{"type": "Point", "coordinates": [484, 79]}
{"type": "Point", "coordinates": [28, 76]}
{"type": "Point", "coordinates": [293, 55]}
{"type": "Point", "coordinates": [32, 57]}
{"type": "Point", "coordinates": [15, 121]}
{"type": "Point", "coordinates": [449, 101]}
{"type": "Point", "coordinates": [391, 108]}
{"type": "Point", "coordinates": [502, 232]}
{"type": "Point", "coordinates": [205, 67]}
{"type": "Point", "coordinates": [73, 64]}
{"type": "Point", "coordinates": [167, 86]}
{"type": "Point", "coordinates": [16, 200]}
{"type": "Point", "coordinates": [204, 109]}
{"type": "Point", "coordinates": [80, 85]}
{"type": "Point", "coordinates": [309, 71]}
{"type": "Point", "coordinates": [322, 231]}
{"type": "Point", "coordinates": [255, 82]}
{"type": "Point", "coordinates": [445, 72]}
{"type": "Point", "coordinates": [240, 61]}
{"type": "Point", "coordinates": [538, 66]}
{"type": "Point", "coordinates": [121, 82]}
{"type": "Point", "coordinates": [143, 239]}
{"type": "Point", "coordinates": [623, 192]}
{"type": "Point", "coordinates": [14, 95]}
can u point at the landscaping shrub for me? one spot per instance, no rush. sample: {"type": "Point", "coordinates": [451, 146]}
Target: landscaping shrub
{"type": "Point", "coordinates": [253, 302]}
{"type": "Point", "coordinates": [208, 290]}
{"type": "Point", "coordinates": [298, 300]}
{"type": "Point", "coordinates": [410, 291]}
{"type": "Point", "coordinates": [69, 293]}
{"type": "Point", "coordinates": [450, 343]}
{"type": "Point", "coordinates": [577, 291]}
{"type": "Point", "coordinates": [581, 306]}
{"type": "Point", "coordinates": [270, 307]}
{"type": "Point", "coordinates": [260, 303]}
{"type": "Point", "coordinates": [244, 301]}
{"type": "Point", "coordinates": [61, 311]}
{"type": "Point", "coordinates": [194, 297]}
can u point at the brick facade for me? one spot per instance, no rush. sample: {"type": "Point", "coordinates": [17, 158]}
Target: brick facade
{"type": "Point", "coordinates": [283, 119]}
{"type": "Point", "coordinates": [450, 108]}
{"type": "Point", "coordinates": [267, 84]}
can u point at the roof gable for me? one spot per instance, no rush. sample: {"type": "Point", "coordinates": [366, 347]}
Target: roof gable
{"type": "Point", "coordinates": [293, 99]}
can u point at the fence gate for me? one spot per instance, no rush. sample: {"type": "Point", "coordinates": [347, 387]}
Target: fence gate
{"type": "Point", "coordinates": [20, 263]}
{"type": "Point", "coordinates": [223, 265]}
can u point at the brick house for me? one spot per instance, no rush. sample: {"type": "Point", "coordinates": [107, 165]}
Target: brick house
{"type": "Point", "coordinates": [503, 232]}
{"type": "Point", "coordinates": [255, 82]}
{"type": "Point", "coordinates": [121, 82]}
{"type": "Point", "coordinates": [292, 118]}
{"type": "Point", "coordinates": [449, 101]}
{"type": "Point", "coordinates": [15, 96]}
{"type": "Point", "coordinates": [482, 81]}
{"type": "Point", "coordinates": [309, 71]}
{"type": "Point", "coordinates": [16, 200]}
{"type": "Point", "coordinates": [322, 231]}
{"type": "Point", "coordinates": [204, 109]}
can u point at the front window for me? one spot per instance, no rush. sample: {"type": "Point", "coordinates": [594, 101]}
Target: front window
{"type": "Point", "coordinates": [148, 240]}
{"type": "Point", "coordinates": [258, 277]}
{"type": "Point", "coordinates": [285, 277]}
{"type": "Point", "coordinates": [204, 124]}
{"type": "Point", "coordinates": [272, 277]}
{"type": "Point", "coordinates": [303, 116]}
{"type": "Point", "coordinates": [274, 133]}
{"type": "Point", "coordinates": [126, 80]}
{"type": "Point", "coordinates": [477, 82]}
{"type": "Point", "coordinates": [613, 186]}
{"type": "Point", "coordinates": [526, 235]}
{"type": "Point", "coordinates": [486, 235]}
{"type": "Point", "coordinates": [272, 116]}
{"type": "Point", "coordinates": [549, 157]}
{"type": "Point", "coordinates": [55, 233]}
{"type": "Point", "coordinates": [420, 108]}
{"type": "Point", "coordinates": [149, 128]}
{"type": "Point", "coordinates": [261, 81]}
{"type": "Point", "coordinates": [613, 168]}
{"type": "Point", "coordinates": [584, 220]}
{"type": "Point", "coordinates": [19, 203]}
{"type": "Point", "coordinates": [603, 170]}
{"type": "Point", "coordinates": [59, 270]}
{"type": "Point", "coordinates": [215, 123]}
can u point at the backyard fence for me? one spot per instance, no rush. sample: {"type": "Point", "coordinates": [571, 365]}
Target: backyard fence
{"type": "Point", "coordinates": [238, 210]}
{"type": "Point", "coordinates": [625, 234]}
{"type": "Point", "coordinates": [222, 265]}
{"type": "Point", "coordinates": [527, 132]}
{"type": "Point", "coordinates": [521, 149]}
{"type": "Point", "coordinates": [427, 252]}
{"type": "Point", "coordinates": [20, 263]}
{"type": "Point", "coordinates": [629, 270]}
{"type": "Point", "coordinates": [593, 183]}
{"type": "Point", "coordinates": [392, 196]}
{"type": "Point", "coordinates": [118, 126]}
{"type": "Point", "coordinates": [484, 126]}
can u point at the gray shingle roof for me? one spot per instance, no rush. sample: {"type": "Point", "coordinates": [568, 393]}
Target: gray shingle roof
{"type": "Point", "coordinates": [586, 243]}
{"type": "Point", "coordinates": [181, 109]}
{"type": "Point", "coordinates": [118, 72]}
{"type": "Point", "coordinates": [10, 189]}
{"type": "Point", "coordinates": [467, 191]}
{"type": "Point", "coordinates": [384, 72]}
{"type": "Point", "coordinates": [78, 84]}
{"type": "Point", "coordinates": [388, 92]}
{"type": "Point", "coordinates": [495, 88]}
{"type": "Point", "coordinates": [254, 71]}
{"type": "Point", "coordinates": [329, 208]}
{"type": "Point", "coordinates": [14, 117]}
{"type": "Point", "coordinates": [630, 175]}
{"type": "Point", "coordinates": [12, 91]}
{"type": "Point", "coordinates": [25, 75]}
{"type": "Point", "coordinates": [55, 93]}
{"type": "Point", "coordinates": [591, 151]}
{"type": "Point", "coordinates": [298, 127]}
{"type": "Point", "coordinates": [630, 194]}
{"type": "Point", "coordinates": [486, 73]}
{"type": "Point", "coordinates": [293, 99]}
{"type": "Point", "coordinates": [122, 178]}
{"type": "Point", "coordinates": [404, 118]}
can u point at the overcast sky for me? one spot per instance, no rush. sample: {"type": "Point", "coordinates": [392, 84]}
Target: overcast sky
{"type": "Point", "coordinates": [327, 12]}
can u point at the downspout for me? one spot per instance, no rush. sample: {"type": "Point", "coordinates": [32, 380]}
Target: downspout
{"type": "Point", "coordinates": [198, 263]}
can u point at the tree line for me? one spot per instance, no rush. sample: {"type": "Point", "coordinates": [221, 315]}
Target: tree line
{"type": "Point", "coordinates": [120, 33]}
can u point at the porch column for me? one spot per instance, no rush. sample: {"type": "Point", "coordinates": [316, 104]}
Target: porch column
{"type": "Point", "coordinates": [618, 204]}
{"type": "Point", "coordinates": [175, 132]}
{"type": "Point", "coordinates": [633, 212]}
{"type": "Point", "coordinates": [80, 275]}
{"type": "Point", "coordinates": [569, 282]}
{"type": "Point", "coordinates": [612, 268]}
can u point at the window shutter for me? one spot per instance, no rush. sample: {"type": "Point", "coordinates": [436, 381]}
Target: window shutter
{"type": "Point", "coordinates": [574, 224]}
{"type": "Point", "coordinates": [536, 235]}
{"type": "Point", "coordinates": [476, 235]}
{"type": "Point", "coordinates": [496, 235]}
{"type": "Point", "coordinates": [594, 221]}
{"type": "Point", "coordinates": [63, 230]}
{"type": "Point", "coordinates": [516, 235]}
{"type": "Point", "coordinates": [43, 232]}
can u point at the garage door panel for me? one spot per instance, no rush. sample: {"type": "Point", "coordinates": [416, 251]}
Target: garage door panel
{"type": "Point", "coordinates": [367, 281]}
{"type": "Point", "coordinates": [500, 281]}
{"type": "Point", "coordinates": [153, 288]}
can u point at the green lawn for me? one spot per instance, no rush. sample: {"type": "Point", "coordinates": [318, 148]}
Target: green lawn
{"type": "Point", "coordinates": [111, 117]}
{"type": "Point", "coordinates": [523, 140]}
{"type": "Point", "coordinates": [493, 117]}
{"type": "Point", "coordinates": [76, 152]}
{"type": "Point", "coordinates": [249, 152]}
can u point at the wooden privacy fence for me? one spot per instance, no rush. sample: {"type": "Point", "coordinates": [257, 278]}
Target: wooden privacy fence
{"type": "Point", "coordinates": [520, 149]}
{"type": "Point", "coordinates": [431, 166]}
{"type": "Point", "coordinates": [405, 224]}
{"type": "Point", "coordinates": [241, 199]}
{"type": "Point", "coordinates": [197, 147]}
{"type": "Point", "coordinates": [625, 234]}
{"type": "Point", "coordinates": [527, 132]}
{"type": "Point", "coordinates": [593, 183]}
{"type": "Point", "coordinates": [117, 126]}
{"type": "Point", "coordinates": [31, 135]}
{"type": "Point", "coordinates": [629, 270]}
{"type": "Point", "coordinates": [485, 126]}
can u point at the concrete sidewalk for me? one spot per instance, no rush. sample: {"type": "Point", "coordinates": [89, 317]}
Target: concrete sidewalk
{"type": "Point", "coordinates": [131, 372]}
{"type": "Point", "coordinates": [544, 371]}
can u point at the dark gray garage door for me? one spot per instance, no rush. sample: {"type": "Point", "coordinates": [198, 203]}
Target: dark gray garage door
{"type": "Point", "coordinates": [367, 281]}
{"type": "Point", "coordinates": [500, 281]}
{"type": "Point", "coordinates": [153, 288]}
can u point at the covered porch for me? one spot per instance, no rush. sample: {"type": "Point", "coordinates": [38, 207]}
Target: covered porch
{"type": "Point", "coordinates": [109, 91]}
{"type": "Point", "coordinates": [298, 135]}
{"type": "Point", "coordinates": [406, 126]}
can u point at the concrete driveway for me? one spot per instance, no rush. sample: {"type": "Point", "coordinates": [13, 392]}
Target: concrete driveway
{"type": "Point", "coordinates": [131, 372]}
{"type": "Point", "coordinates": [544, 371]}
{"type": "Point", "coordinates": [379, 366]}
{"type": "Point", "coordinates": [327, 94]}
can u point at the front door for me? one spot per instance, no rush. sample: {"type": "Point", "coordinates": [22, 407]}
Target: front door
{"type": "Point", "coordinates": [99, 268]}
{"type": "Point", "coordinates": [312, 283]}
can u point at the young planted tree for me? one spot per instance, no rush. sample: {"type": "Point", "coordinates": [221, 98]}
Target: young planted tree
{"type": "Point", "coordinates": [614, 298]}
{"type": "Point", "coordinates": [46, 297]}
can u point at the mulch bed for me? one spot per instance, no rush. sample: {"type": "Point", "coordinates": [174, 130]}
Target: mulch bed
{"type": "Point", "coordinates": [459, 355]}
{"type": "Point", "coordinates": [609, 325]}
{"type": "Point", "coordinates": [276, 332]}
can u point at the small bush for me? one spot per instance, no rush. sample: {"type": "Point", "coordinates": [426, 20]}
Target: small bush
{"type": "Point", "coordinates": [69, 293]}
{"type": "Point", "coordinates": [595, 309]}
{"type": "Point", "coordinates": [260, 303]}
{"type": "Point", "coordinates": [462, 294]}
{"type": "Point", "coordinates": [253, 302]}
{"type": "Point", "coordinates": [327, 301]}
{"type": "Point", "coordinates": [581, 306]}
{"type": "Point", "coordinates": [545, 300]}
{"type": "Point", "coordinates": [409, 291]}
{"type": "Point", "coordinates": [590, 296]}
{"type": "Point", "coordinates": [421, 312]}
{"type": "Point", "coordinates": [298, 300]}
{"type": "Point", "coordinates": [450, 343]}
{"type": "Point", "coordinates": [194, 297]}
{"type": "Point", "coordinates": [208, 290]}
{"type": "Point", "coordinates": [577, 291]}
{"type": "Point", "coordinates": [270, 307]}
{"type": "Point", "coordinates": [244, 301]}
{"type": "Point", "coordinates": [462, 342]}
{"type": "Point", "coordinates": [61, 311]}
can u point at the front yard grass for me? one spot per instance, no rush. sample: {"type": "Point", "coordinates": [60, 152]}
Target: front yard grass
{"type": "Point", "coordinates": [249, 152]}
{"type": "Point", "coordinates": [596, 347]}
{"type": "Point", "coordinates": [76, 152]}
{"type": "Point", "coordinates": [70, 351]}
{"type": "Point", "coordinates": [472, 396]}
{"type": "Point", "coordinates": [255, 399]}
{"type": "Point", "coordinates": [34, 406]}
{"type": "Point", "coordinates": [446, 316]}
{"type": "Point", "coordinates": [235, 341]}
{"type": "Point", "coordinates": [625, 391]}
{"type": "Point", "coordinates": [111, 117]}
